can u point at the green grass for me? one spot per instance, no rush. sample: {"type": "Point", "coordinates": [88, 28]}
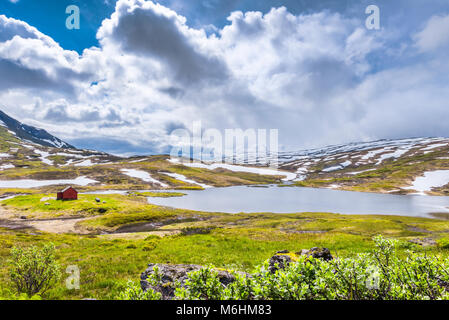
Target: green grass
{"type": "Point", "coordinates": [84, 206]}
{"type": "Point", "coordinates": [104, 262]}
{"type": "Point", "coordinates": [236, 241]}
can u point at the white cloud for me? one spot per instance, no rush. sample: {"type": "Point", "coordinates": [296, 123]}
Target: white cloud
{"type": "Point", "coordinates": [311, 76]}
{"type": "Point", "coordinates": [435, 35]}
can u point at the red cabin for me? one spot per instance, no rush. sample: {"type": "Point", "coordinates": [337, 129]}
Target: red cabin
{"type": "Point", "coordinates": [68, 194]}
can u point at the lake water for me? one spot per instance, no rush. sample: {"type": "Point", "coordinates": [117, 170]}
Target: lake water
{"type": "Point", "coordinates": [294, 199]}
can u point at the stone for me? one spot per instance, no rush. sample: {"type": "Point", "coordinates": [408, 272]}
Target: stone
{"type": "Point", "coordinates": [170, 274]}
{"type": "Point", "coordinates": [279, 261]}
{"type": "Point", "coordinates": [282, 258]}
{"type": "Point", "coordinates": [317, 253]}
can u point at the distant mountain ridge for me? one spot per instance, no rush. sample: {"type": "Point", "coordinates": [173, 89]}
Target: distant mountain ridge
{"type": "Point", "coordinates": [33, 134]}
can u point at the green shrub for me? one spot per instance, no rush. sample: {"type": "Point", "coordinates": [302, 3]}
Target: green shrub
{"type": "Point", "coordinates": [151, 245]}
{"type": "Point", "coordinates": [196, 230]}
{"type": "Point", "coordinates": [379, 275]}
{"type": "Point", "coordinates": [202, 285]}
{"type": "Point", "coordinates": [34, 270]}
{"type": "Point", "coordinates": [133, 291]}
{"type": "Point", "coordinates": [443, 243]}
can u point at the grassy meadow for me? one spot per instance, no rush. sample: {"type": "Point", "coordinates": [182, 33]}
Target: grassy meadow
{"type": "Point", "coordinates": [108, 257]}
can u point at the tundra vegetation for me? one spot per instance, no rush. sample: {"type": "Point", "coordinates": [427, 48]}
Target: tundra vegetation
{"type": "Point", "coordinates": [381, 274]}
{"type": "Point", "coordinates": [110, 252]}
{"type": "Point", "coordinates": [113, 240]}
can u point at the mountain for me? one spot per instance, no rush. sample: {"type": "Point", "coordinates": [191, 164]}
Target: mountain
{"type": "Point", "coordinates": [415, 165]}
{"type": "Point", "coordinates": [30, 133]}
{"type": "Point", "coordinates": [389, 166]}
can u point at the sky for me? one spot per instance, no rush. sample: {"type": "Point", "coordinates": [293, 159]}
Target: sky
{"type": "Point", "coordinates": [137, 70]}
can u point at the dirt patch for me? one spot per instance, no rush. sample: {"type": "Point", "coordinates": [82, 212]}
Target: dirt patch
{"type": "Point", "coordinates": [425, 242]}
{"type": "Point", "coordinates": [58, 226]}
{"type": "Point", "coordinates": [416, 229]}
{"type": "Point", "coordinates": [17, 225]}
{"type": "Point", "coordinates": [303, 231]}
{"type": "Point", "coordinates": [153, 226]}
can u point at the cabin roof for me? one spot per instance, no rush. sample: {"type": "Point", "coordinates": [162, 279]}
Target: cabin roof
{"type": "Point", "coordinates": [67, 189]}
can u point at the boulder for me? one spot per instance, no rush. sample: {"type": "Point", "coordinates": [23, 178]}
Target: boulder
{"type": "Point", "coordinates": [171, 274]}
{"type": "Point", "coordinates": [283, 258]}
{"type": "Point", "coordinates": [318, 253]}
{"type": "Point", "coordinates": [279, 261]}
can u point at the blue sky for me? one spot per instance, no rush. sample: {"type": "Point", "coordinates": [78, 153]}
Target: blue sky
{"type": "Point", "coordinates": [311, 69]}
{"type": "Point", "coordinates": [49, 16]}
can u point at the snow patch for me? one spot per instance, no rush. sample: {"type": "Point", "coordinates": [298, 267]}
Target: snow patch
{"type": "Point", "coordinates": [44, 156]}
{"type": "Point", "coordinates": [80, 181]}
{"type": "Point", "coordinates": [434, 146]}
{"type": "Point", "coordinates": [338, 167]}
{"type": "Point", "coordinates": [237, 168]}
{"type": "Point", "coordinates": [143, 175]}
{"type": "Point", "coordinates": [7, 166]}
{"type": "Point", "coordinates": [431, 179]}
{"type": "Point", "coordinates": [180, 177]}
{"type": "Point", "coordinates": [85, 163]}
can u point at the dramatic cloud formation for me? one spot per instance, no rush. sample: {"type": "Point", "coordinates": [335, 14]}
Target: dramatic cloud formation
{"type": "Point", "coordinates": [320, 78]}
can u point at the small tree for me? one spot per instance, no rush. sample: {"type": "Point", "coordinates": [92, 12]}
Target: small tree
{"type": "Point", "coordinates": [34, 270]}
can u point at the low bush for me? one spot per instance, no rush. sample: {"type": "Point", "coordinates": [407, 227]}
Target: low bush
{"type": "Point", "coordinates": [382, 274]}
{"type": "Point", "coordinates": [34, 270]}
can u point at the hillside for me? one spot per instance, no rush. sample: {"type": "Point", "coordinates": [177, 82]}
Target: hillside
{"type": "Point", "coordinates": [30, 133]}
{"type": "Point", "coordinates": [27, 161]}
{"type": "Point", "coordinates": [419, 165]}
{"type": "Point", "coordinates": [392, 166]}
{"type": "Point", "coordinates": [128, 231]}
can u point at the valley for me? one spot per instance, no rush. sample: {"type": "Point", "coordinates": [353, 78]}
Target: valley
{"type": "Point", "coordinates": [116, 227]}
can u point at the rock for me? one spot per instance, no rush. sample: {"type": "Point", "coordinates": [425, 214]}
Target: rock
{"type": "Point", "coordinates": [97, 200]}
{"type": "Point", "coordinates": [170, 274]}
{"type": "Point", "coordinates": [318, 253]}
{"type": "Point", "coordinates": [47, 204]}
{"type": "Point", "coordinates": [23, 217]}
{"type": "Point", "coordinates": [282, 258]}
{"type": "Point", "coordinates": [104, 202]}
{"type": "Point", "coordinates": [279, 261]}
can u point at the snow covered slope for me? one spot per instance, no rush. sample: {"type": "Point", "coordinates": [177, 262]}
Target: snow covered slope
{"type": "Point", "coordinates": [361, 154]}
{"type": "Point", "coordinates": [388, 166]}
{"type": "Point", "coordinates": [33, 134]}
